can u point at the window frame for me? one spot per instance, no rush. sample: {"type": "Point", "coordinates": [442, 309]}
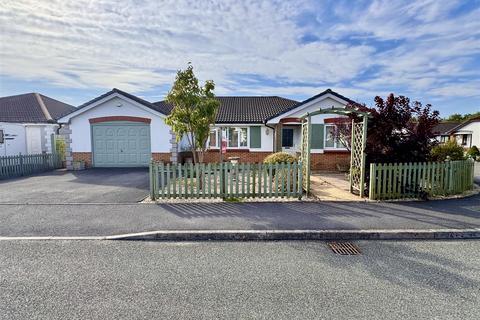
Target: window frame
{"type": "Point", "coordinates": [293, 135]}
{"type": "Point", "coordinates": [217, 145]}
{"type": "Point", "coordinates": [225, 134]}
{"type": "Point", "coordinates": [337, 145]}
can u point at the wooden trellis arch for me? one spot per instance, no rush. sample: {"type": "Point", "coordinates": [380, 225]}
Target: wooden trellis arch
{"type": "Point", "coordinates": [358, 143]}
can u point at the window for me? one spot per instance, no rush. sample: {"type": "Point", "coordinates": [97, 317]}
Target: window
{"type": "Point", "coordinates": [332, 138]}
{"type": "Point", "coordinates": [464, 139]}
{"type": "Point", "coordinates": [213, 139]}
{"type": "Point", "coordinates": [444, 139]}
{"type": "Point", "coordinates": [2, 139]}
{"type": "Point", "coordinates": [237, 137]}
{"type": "Point", "coordinates": [243, 137]}
{"type": "Point", "coordinates": [287, 137]}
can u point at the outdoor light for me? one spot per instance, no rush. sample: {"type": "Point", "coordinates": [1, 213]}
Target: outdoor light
{"type": "Point", "coordinates": [267, 131]}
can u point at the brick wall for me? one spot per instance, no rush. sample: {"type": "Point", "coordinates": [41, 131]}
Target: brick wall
{"type": "Point", "coordinates": [213, 156]}
{"type": "Point", "coordinates": [320, 161]}
{"type": "Point", "coordinates": [164, 157]}
{"type": "Point", "coordinates": [83, 156]}
{"type": "Point", "coordinates": [328, 161]}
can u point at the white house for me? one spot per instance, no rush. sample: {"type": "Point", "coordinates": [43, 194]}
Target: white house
{"type": "Point", "coordinates": [118, 129]}
{"type": "Point", "coordinates": [467, 133]}
{"type": "Point", "coordinates": [27, 122]}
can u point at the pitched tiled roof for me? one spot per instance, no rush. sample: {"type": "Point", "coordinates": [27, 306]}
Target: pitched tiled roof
{"type": "Point", "coordinates": [444, 127]}
{"type": "Point", "coordinates": [26, 108]}
{"type": "Point", "coordinates": [463, 124]}
{"type": "Point", "coordinates": [244, 109]}
{"type": "Point", "coordinates": [128, 95]}
{"type": "Point", "coordinates": [328, 91]}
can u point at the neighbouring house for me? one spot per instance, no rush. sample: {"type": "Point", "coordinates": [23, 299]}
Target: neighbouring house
{"type": "Point", "coordinates": [442, 130]}
{"type": "Point", "coordinates": [467, 133]}
{"type": "Point", "coordinates": [118, 129]}
{"type": "Point", "coordinates": [27, 122]}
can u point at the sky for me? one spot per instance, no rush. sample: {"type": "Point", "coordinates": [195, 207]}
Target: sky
{"type": "Point", "coordinates": [428, 50]}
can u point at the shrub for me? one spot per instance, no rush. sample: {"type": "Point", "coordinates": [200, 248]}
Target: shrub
{"type": "Point", "coordinates": [60, 147]}
{"type": "Point", "coordinates": [448, 149]}
{"type": "Point", "coordinates": [280, 157]}
{"type": "Point", "coordinates": [473, 152]}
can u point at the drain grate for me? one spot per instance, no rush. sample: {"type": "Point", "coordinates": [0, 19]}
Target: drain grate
{"type": "Point", "coordinates": [344, 248]}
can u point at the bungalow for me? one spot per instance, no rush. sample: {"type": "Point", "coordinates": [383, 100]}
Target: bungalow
{"type": "Point", "coordinates": [118, 129]}
{"type": "Point", "coordinates": [27, 122]}
{"type": "Point", "coordinates": [467, 133]}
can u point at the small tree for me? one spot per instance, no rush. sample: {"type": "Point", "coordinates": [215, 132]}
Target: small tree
{"type": "Point", "coordinates": [399, 131]}
{"type": "Point", "coordinates": [194, 111]}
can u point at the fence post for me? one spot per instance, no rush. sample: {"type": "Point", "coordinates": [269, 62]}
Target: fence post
{"type": "Point", "coordinates": [373, 175]}
{"type": "Point", "coordinates": [450, 176]}
{"type": "Point", "coordinates": [152, 181]}
{"type": "Point", "coordinates": [22, 172]}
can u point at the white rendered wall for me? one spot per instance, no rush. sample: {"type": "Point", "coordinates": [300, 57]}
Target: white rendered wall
{"type": "Point", "coordinates": [81, 134]}
{"type": "Point", "coordinates": [472, 128]}
{"type": "Point", "coordinates": [17, 144]}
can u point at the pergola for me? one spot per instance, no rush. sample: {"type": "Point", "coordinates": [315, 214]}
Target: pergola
{"type": "Point", "coordinates": [358, 143]}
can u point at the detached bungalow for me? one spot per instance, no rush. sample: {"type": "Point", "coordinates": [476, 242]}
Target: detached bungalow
{"type": "Point", "coordinates": [118, 129]}
{"type": "Point", "coordinates": [27, 122]}
{"type": "Point", "coordinates": [467, 133]}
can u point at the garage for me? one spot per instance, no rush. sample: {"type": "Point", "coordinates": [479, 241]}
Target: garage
{"type": "Point", "coordinates": [121, 144]}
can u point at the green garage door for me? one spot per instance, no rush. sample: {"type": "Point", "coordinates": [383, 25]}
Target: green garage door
{"type": "Point", "coordinates": [121, 144]}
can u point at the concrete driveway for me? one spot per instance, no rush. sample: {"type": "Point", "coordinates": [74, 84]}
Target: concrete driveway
{"type": "Point", "coordinates": [90, 186]}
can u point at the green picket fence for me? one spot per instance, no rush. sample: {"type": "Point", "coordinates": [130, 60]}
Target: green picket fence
{"type": "Point", "coordinates": [418, 180]}
{"type": "Point", "coordinates": [23, 165]}
{"type": "Point", "coordinates": [225, 180]}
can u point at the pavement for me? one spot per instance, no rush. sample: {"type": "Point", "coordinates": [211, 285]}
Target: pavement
{"type": "Point", "coordinates": [108, 219]}
{"type": "Point", "coordinates": [122, 185]}
{"type": "Point", "coordinates": [238, 280]}
{"type": "Point", "coordinates": [104, 202]}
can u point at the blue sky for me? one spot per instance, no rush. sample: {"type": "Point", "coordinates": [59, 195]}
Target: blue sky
{"type": "Point", "coordinates": [428, 50]}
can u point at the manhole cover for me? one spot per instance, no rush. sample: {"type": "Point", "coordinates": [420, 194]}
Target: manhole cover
{"type": "Point", "coordinates": [344, 248]}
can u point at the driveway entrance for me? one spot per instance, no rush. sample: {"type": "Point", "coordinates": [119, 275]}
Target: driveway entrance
{"type": "Point", "coordinates": [90, 186]}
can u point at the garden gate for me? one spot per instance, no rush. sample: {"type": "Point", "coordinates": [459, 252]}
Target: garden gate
{"type": "Point", "coordinates": [358, 143]}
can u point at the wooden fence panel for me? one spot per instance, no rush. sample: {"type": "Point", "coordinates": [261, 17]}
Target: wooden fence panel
{"type": "Point", "coordinates": [225, 180]}
{"type": "Point", "coordinates": [416, 180]}
{"type": "Point", "coordinates": [23, 165]}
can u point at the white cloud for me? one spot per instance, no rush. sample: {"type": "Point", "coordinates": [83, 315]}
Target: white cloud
{"type": "Point", "coordinates": [138, 45]}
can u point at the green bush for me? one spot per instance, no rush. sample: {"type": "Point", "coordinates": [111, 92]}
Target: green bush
{"type": "Point", "coordinates": [448, 149]}
{"type": "Point", "coordinates": [280, 157]}
{"type": "Point", "coordinates": [473, 152]}
{"type": "Point", "coordinates": [60, 147]}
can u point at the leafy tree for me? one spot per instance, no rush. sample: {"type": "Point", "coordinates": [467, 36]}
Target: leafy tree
{"type": "Point", "coordinates": [399, 131]}
{"type": "Point", "coordinates": [465, 117]}
{"type": "Point", "coordinates": [194, 111]}
{"type": "Point", "coordinates": [455, 117]}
